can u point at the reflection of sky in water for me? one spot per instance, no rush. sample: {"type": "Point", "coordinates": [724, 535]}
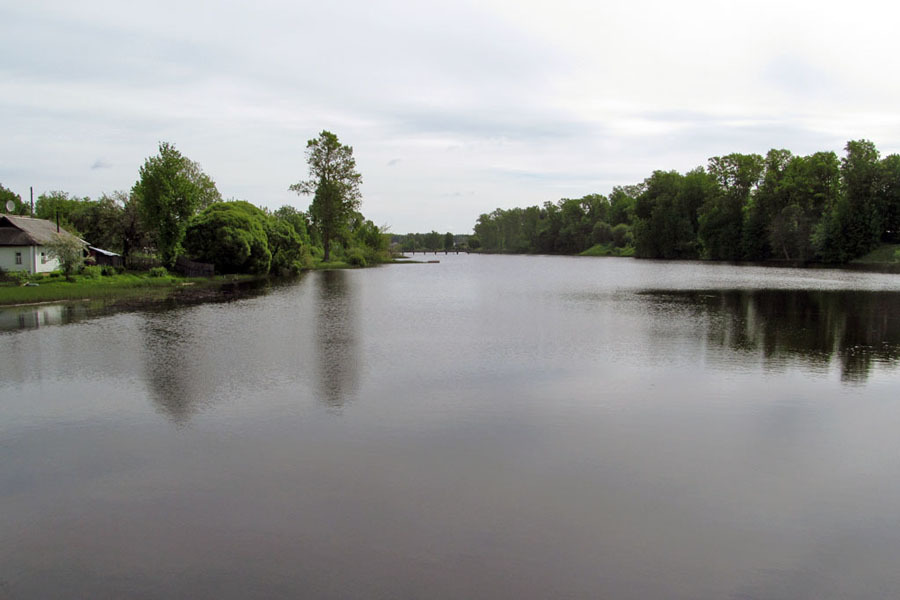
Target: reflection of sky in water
{"type": "Point", "coordinates": [497, 427]}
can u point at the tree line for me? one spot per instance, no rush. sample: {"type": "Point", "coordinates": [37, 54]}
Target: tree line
{"type": "Point", "coordinates": [174, 209]}
{"type": "Point", "coordinates": [433, 241]}
{"type": "Point", "coordinates": [740, 207]}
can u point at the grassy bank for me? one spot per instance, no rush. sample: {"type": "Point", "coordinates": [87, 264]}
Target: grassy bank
{"type": "Point", "coordinates": [608, 250]}
{"type": "Point", "coordinates": [886, 254]}
{"type": "Point", "coordinates": [107, 287]}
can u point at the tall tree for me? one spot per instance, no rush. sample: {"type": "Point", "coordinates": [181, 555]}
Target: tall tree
{"type": "Point", "coordinates": [721, 218]}
{"type": "Point", "coordinates": [334, 184]}
{"type": "Point", "coordinates": [889, 191]}
{"type": "Point", "coordinates": [170, 190]}
{"type": "Point", "coordinates": [855, 223]}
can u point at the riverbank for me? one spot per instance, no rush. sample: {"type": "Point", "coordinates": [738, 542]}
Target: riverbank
{"type": "Point", "coordinates": [125, 287]}
{"type": "Point", "coordinates": [129, 288]}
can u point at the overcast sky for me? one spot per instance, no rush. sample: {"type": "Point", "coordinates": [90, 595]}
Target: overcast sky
{"type": "Point", "coordinates": [453, 108]}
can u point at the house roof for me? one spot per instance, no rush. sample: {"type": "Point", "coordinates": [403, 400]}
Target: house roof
{"type": "Point", "coordinates": [26, 231]}
{"type": "Point", "coordinates": [102, 251]}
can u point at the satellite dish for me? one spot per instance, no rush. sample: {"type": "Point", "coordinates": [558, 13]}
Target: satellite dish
{"type": "Point", "coordinates": [10, 206]}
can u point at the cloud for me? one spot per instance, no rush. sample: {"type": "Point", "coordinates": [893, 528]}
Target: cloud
{"type": "Point", "coordinates": [517, 105]}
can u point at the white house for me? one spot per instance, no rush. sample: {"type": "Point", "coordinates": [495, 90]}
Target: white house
{"type": "Point", "coordinates": [22, 241]}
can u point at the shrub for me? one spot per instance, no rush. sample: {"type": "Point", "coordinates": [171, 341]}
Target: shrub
{"type": "Point", "coordinates": [603, 233]}
{"type": "Point", "coordinates": [158, 272]}
{"type": "Point", "coordinates": [55, 274]}
{"type": "Point", "coordinates": [109, 270]}
{"type": "Point", "coordinates": [306, 257]}
{"type": "Point", "coordinates": [232, 236]}
{"type": "Point", "coordinates": [17, 277]}
{"type": "Point", "coordinates": [92, 272]}
{"type": "Point", "coordinates": [356, 257]}
{"type": "Point", "coordinates": [622, 236]}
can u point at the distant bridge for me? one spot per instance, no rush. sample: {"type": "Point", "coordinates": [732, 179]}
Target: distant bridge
{"type": "Point", "coordinates": [454, 251]}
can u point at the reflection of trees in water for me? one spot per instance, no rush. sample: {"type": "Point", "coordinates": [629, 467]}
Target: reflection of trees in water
{"type": "Point", "coordinates": [336, 345]}
{"type": "Point", "coordinates": [34, 317]}
{"type": "Point", "coordinates": [170, 366]}
{"type": "Point", "coordinates": [860, 328]}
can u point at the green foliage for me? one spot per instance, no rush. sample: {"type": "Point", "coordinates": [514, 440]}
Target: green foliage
{"type": "Point", "coordinates": [305, 259]}
{"type": "Point", "coordinates": [14, 277]}
{"type": "Point", "coordinates": [621, 236]}
{"type": "Point", "coordinates": [285, 246]}
{"type": "Point", "coordinates": [232, 236]}
{"type": "Point", "coordinates": [55, 204]}
{"type": "Point", "coordinates": [602, 232]}
{"type": "Point", "coordinates": [855, 223]}
{"type": "Point", "coordinates": [69, 251]}
{"type": "Point", "coordinates": [665, 214]}
{"type": "Point", "coordinates": [169, 192]}
{"type": "Point", "coordinates": [885, 253]}
{"type": "Point", "coordinates": [721, 217]}
{"type": "Point", "coordinates": [158, 272]}
{"type": "Point", "coordinates": [334, 184]}
{"type": "Point", "coordinates": [741, 207]}
{"type": "Point", "coordinates": [889, 192]}
{"type": "Point", "coordinates": [433, 241]}
{"type": "Point", "coordinates": [356, 257]}
{"type": "Point", "coordinates": [567, 227]}
{"type": "Point", "coordinates": [91, 272]}
{"type": "Point", "coordinates": [298, 221]}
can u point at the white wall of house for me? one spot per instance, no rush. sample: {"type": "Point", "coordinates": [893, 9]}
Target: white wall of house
{"type": "Point", "coordinates": [9, 262]}
{"type": "Point", "coordinates": [43, 263]}
{"type": "Point", "coordinates": [34, 259]}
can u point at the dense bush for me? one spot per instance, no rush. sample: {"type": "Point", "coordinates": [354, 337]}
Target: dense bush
{"type": "Point", "coordinates": [232, 236]}
{"type": "Point", "coordinates": [158, 272]}
{"type": "Point", "coordinates": [621, 235]}
{"type": "Point", "coordinates": [16, 277]}
{"type": "Point", "coordinates": [356, 257]}
{"type": "Point", "coordinates": [92, 272]}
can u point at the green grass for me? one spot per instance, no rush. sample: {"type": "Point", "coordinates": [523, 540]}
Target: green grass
{"type": "Point", "coordinates": [125, 286]}
{"type": "Point", "coordinates": [608, 250]}
{"type": "Point", "coordinates": [884, 254]}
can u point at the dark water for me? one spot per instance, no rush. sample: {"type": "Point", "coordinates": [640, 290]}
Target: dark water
{"type": "Point", "coordinates": [489, 427]}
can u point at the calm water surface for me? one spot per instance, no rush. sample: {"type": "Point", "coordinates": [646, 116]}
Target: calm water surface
{"type": "Point", "coordinates": [488, 427]}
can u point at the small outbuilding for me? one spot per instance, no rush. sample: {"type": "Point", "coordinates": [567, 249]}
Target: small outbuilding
{"type": "Point", "coordinates": [23, 241]}
{"type": "Point", "coordinates": [105, 257]}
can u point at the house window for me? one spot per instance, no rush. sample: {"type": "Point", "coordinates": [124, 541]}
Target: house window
{"type": "Point", "coordinates": [43, 258]}
{"type": "Point", "coordinates": [18, 258]}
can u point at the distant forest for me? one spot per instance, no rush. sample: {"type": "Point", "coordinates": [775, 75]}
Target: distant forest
{"type": "Point", "coordinates": [434, 241]}
{"type": "Point", "coordinates": [741, 207]}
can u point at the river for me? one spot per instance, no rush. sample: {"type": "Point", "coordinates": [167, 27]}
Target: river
{"type": "Point", "coordinates": [486, 427]}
